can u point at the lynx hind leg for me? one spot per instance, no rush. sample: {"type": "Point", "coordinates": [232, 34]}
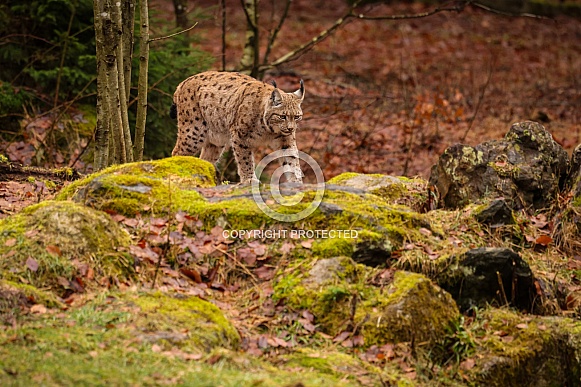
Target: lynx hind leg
{"type": "Point", "coordinates": [191, 133]}
{"type": "Point", "coordinates": [212, 153]}
{"type": "Point", "coordinates": [245, 162]}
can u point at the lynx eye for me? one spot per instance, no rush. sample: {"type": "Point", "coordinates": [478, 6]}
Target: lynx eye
{"type": "Point", "coordinates": [298, 118]}
{"type": "Point", "coordinates": [283, 118]}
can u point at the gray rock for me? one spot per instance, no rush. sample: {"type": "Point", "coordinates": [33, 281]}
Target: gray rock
{"type": "Point", "coordinates": [527, 168]}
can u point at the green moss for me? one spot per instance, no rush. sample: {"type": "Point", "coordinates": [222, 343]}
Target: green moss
{"type": "Point", "coordinates": [103, 343]}
{"type": "Point", "coordinates": [60, 238]}
{"type": "Point", "coordinates": [412, 307]}
{"type": "Point", "coordinates": [332, 247]}
{"type": "Point", "coordinates": [162, 185]}
{"type": "Point", "coordinates": [346, 176]}
{"type": "Point", "coordinates": [205, 324]}
{"type": "Point", "coordinates": [33, 294]}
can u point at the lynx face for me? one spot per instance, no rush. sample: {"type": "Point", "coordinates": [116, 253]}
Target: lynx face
{"type": "Point", "coordinates": [285, 112]}
{"type": "Point", "coordinates": [217, 109]}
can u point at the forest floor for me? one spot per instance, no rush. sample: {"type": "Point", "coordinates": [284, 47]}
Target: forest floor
{"type": "Point", "coordinates": [390, 96]}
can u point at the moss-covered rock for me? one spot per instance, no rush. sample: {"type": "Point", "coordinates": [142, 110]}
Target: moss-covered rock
{"type": "Point", "coordinates": [159, 186]}
{"type": "Point", "coordinates": [55, 244]}
{"type": "Point", "coordinates": [188, 322]}
{"type": "Point", "coordinates": [518, 350]}
{"type": "Point", "coordinates": [411, 308]}
{"type": "Point", "coordinates": [527, 168]}
{"type": "Point", "coordinates": [398, 190]}
{"type": "Point", "coordinates": [135, 338]}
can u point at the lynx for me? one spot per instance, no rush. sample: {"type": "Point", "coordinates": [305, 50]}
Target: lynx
{"type": "Point", "coordinates": [216, 109]}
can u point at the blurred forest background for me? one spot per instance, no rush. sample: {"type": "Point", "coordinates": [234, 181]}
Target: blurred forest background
{"type": "Point", "coordinates": [382, 96]}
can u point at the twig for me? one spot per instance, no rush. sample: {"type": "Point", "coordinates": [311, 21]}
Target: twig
{"type": "Point", "coordinates": [479, 103]}
{"type": "Point", "coordinates": [502, 292]}
{"type": "Point", "coordinates": [504, 13]}
{"type": "Point", "coordinates": [458, 7]}
{"type": "Point", "coordinates": [275, 32]}
{"type": "Point", "coordinates": [172, 35]}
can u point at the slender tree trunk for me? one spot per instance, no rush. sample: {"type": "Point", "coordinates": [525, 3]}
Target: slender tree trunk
{"type": "Point", "coordinates": [181, 9]}
{"type": "Point", "coordinates": [143, 84]}
{"type": "Point", "coordinates": [249, 62]}
{"type": "Point", "coordinates": [101, 157]}
{"type": "Point", "coordinates": [128, 15]}
{"type": "Point", "coordinates": [111, 42]}
{"type": "Point", "coordinates": [121, 82]}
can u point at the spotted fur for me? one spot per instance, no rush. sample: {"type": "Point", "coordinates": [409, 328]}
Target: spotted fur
{"type": "Point", "coordinates": [216, 109]}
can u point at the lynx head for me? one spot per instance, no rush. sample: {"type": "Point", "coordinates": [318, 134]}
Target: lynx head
{"type": "Point", "coordinates": [283, 111]}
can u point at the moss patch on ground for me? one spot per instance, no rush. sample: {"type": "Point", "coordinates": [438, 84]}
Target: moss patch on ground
{"type": "Point", "coordinates": [109, 341]}
{"type": "Point", "coordinates": [55, 244]}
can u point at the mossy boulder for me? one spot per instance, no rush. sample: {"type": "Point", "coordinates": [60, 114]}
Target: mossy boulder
{"type": "Point", "coordinates": [411, 307]}
{"type": "Point", "coordinates": [398, 190]}
{"type": "Point", "coordinates": [160, 186]}
{"type": "Point", "coordinates": [62, 246]}
{"type": "Point", "coordinates": [186, 183]}
{"type": "Point", "coordinates": [520, 350]}
{"type": "Point", "coordinates": [527, 168]}
{"type": "Point", "coordinates": [489, 275]}
{"type": "Point", "coordinates": [190, 323]}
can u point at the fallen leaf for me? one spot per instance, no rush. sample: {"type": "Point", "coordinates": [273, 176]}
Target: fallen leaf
{"type": "Point", "coordinates": [192, 274]}
{"type": "Point", "coordinates": [31, 264]}
{"type": "Point", "coordinates": [54, 250]}
{"type": "Point", "coordinates": [10, 242]}
{"type": "Point", "coordinates": [544, 240]}
{"type": "Point", "coordinates": [38, 309]}
{"type": "Point", "coordinates": [467, 364]}
{"type": "Point", "coordinates": [522, 326]}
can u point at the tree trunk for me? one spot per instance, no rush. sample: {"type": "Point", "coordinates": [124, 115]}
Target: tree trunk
{"type": "Point", "coordinates": [181, 9]}
{"type": "Point", "coordinates": [101, 157]}
{"type": "Point", "coordinates": [121, 82]}
{"type": "Point", "coordinates": [128, 15]}
{"type": "Point", "coordinates": [143, 84]}
{"type": "Point", "coordinates": [249, 62]}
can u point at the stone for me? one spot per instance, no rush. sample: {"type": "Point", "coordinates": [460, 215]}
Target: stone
{"type": "Point", "coordinates": [477, 278]}
{"type": "Point", "coordinates": [527, 168]}
{"type": "Point", "coordinates": [497, 213]}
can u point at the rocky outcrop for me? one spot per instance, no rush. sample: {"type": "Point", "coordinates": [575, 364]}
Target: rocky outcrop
{"type": "Point", "coordinates": [495, 276]}
{"type": "Point", "coordinates": [527, 168]}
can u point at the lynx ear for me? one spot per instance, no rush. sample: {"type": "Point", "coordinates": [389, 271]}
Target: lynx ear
{"type": "Point", "coordinates": [274, 83]}
{"type": "Point", "coordinates": [300, 92]}
{"type": "Point", "coordinates": [276, 98]}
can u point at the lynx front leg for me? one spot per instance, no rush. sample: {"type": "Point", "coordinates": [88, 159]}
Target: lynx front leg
{"type": "Point", "coordinates": [244, 159]}
{"type": "Point", "coordinates": [291, 163]}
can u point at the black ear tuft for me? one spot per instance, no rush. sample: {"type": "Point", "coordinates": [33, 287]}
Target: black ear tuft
{"type": "Point", "coordinates": [274, 83]}
{"type": "Point", "coordinates": [300, 93]}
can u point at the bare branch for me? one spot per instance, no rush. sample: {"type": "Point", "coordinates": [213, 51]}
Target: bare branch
{"type": "Point", "coordinates": [504, 13]}
{"type": "Point", "coordinates": [172, 35]}
{"type": "Point", "coordinates": [275, 32]}
{"type": "Point", "coordinates": [456, 7]}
